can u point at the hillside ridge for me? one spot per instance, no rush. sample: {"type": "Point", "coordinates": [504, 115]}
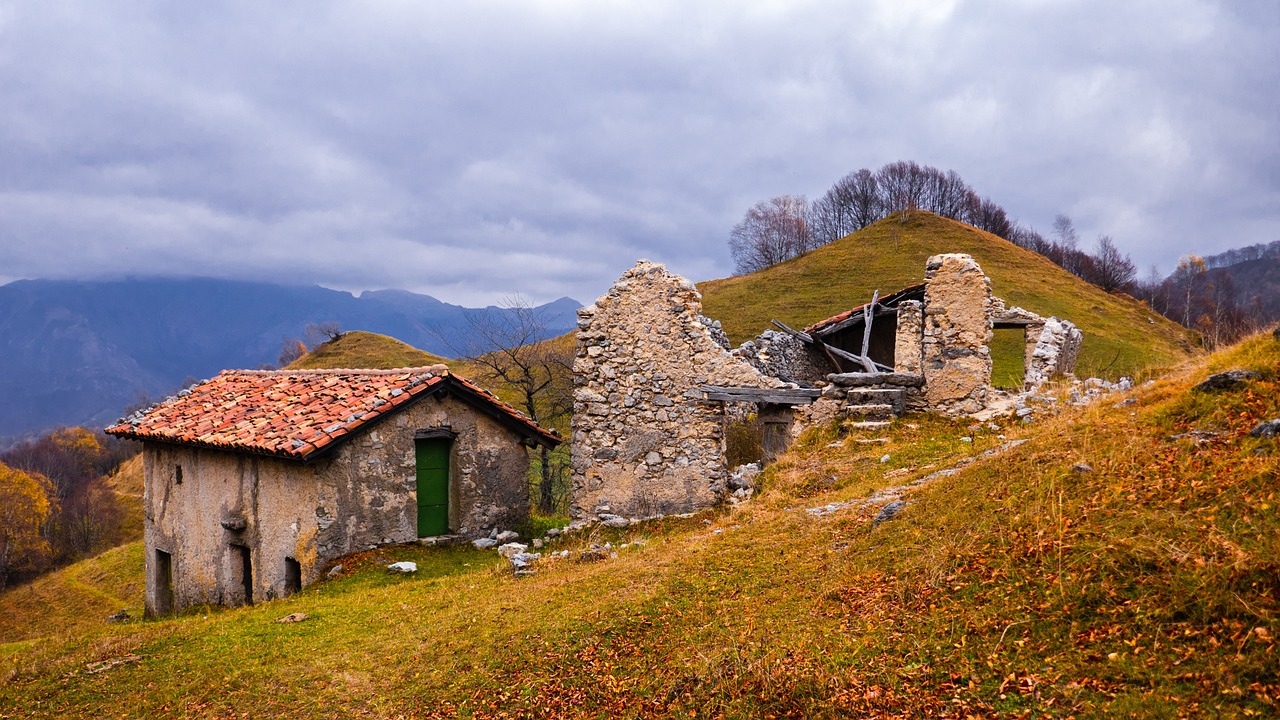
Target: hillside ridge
{"type": "Point", "coordinates": [1122, 336]}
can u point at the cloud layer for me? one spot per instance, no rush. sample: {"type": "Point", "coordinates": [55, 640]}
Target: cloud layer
{"type": "Point", "coordinates": [478, 149]}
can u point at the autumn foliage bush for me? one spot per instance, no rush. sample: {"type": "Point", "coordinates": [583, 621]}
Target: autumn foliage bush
{"type": "Point", "coordinates": [78, 514]}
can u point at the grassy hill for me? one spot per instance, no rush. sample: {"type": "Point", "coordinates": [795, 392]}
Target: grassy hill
{"type": "Point", "coordinates": [1122, 336]}
{"type": "Point", "coordinates": [358, 349]}
{"type": "Point", "coordinates": [1111, 565]}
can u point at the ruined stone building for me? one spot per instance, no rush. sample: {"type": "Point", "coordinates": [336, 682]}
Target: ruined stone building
{"type": "Point", "coordinates": [656, 383]}
{"type": "Point", "coordinates": [255, 479]}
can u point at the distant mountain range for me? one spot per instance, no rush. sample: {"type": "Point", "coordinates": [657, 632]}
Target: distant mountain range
{"type": "Point", "coordinates": [79, 352]}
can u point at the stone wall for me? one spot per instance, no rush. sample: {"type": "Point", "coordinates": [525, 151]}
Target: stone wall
{"type": "Point", "coordinates": [908, 351]}
{"type": "Point", "coordinates": [644, 442]}
{"type": "Point", "coordinates": [957, 328]}
{"type": "Point", "coordinates": [363, 495]}
{"type": "Point", "coordinates": [784, 356]}
{"type": "Point", "coordinates": [1056, 349]}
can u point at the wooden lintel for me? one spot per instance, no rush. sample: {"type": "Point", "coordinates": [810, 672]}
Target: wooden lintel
{"type": "Point", "coordinates": [774, 396]}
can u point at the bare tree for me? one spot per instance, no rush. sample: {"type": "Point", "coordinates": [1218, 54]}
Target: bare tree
{"type": "Point", "coordinates": [1064, 231]}
{"type": "Point", "coordinates": [772, 231]}
{"type": "Point", "coordinates": [290, 350]}
{"type": "Point", "coordinates": [851, 204]}
{"type": "Point", "coordinates": [321, 332]}
{"type": "Point", "coordinates": [1190, 275]}
{"type": "Point", "coordinates": [1112, 270]}
{"type": "Point", "coordinates": [512, 351]}
{"type": "Point", "coordinates": [902, 186]}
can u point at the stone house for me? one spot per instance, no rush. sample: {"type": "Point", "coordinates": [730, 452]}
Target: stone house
{"type": "Point", "coordinates": [254, 480]}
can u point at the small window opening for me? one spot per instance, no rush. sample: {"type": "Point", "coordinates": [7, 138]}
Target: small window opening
{"type": "Point", "coordinates": [164, 583]}
{"type": "Point", "coordinates": [177, 474]}
{"type": "Point", "coordinates": [246, 571]}
{"type": "Point", "coordinates": [292, 576]}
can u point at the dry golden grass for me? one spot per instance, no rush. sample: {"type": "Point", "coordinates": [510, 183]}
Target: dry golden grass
{"type": "Point", "coordinates": [359, 349]}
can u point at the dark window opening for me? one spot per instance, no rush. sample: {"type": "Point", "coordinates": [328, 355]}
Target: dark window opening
{"type": "Point", "coordinates": [246, 571]}
{"type": "Point", "coordinates": [164, 583]}
{"type": "Point", "coordinates": [292, 576]}
{"type": "Point", "coordinates": [177, 474]}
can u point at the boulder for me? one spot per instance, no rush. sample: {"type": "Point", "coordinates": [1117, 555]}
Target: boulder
{"type": "Point", "coordinates": [485, 543]}
{"type": "Point", "coordinates": [512, 549]}
{"type": "Point", "coordinates": [507, 536]}
{"type": "Point", "coordinates": [1268, 429]}
{"type": "Point", "coordinates": [1229, 380]}
{"type": "Point", "coordinates": [888, 512]}
{"type": "Point", "coordinates": [404, 567]}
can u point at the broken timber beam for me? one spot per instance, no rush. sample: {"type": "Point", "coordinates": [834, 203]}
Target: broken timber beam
{"type": "Point", "coordinates": [773, 396]}
{"type": "Point", "coordinates": [868, 314]}
{"type": "Point", "coordinates": [806, 337]}
{"type": "Point", "coordinates": [879, 378]}
{"type": "Point", "coordinates": [861, 360]}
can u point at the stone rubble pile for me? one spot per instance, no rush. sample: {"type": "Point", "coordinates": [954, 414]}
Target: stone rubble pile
{"type": "Point", "coordinates": [742, 482]}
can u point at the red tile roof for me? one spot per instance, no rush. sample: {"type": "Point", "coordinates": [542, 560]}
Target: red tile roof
{"type": "Point", "coordinates": [297, 413]}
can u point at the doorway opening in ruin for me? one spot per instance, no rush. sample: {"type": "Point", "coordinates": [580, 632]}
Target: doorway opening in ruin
{"type": "Point", "coordinates": [1008, 357]}
{"type": "Point", "coordinates": [245, 566]}
{"type": "Point", "coordinates": [292, 576]}
{"type": "Point", "coordinates": [164, 583]}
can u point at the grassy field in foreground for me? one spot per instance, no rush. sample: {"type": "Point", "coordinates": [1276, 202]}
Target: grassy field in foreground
{"type": "Point", "coordinates": [1122, 336]}
{"type": "Point", "coordinates": [1146, 584]}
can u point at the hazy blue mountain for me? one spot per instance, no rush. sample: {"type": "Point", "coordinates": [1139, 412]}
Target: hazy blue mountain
{"type": "Point", "coordinates": [78, 352]}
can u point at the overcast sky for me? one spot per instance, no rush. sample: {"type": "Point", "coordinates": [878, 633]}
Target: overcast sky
{"type": "Point", "coordinates": [470, 150]}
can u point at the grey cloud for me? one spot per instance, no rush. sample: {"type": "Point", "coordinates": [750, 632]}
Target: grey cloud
{"type": "Point", "coordinates": [477, 149]}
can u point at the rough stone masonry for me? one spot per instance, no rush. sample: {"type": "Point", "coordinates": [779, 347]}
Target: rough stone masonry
{"type": "Point", "coordinates": [957, 328]}
{"type": "Point", "coordinates": [645, 443]}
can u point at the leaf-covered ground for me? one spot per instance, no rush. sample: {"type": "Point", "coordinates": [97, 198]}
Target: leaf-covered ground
{"type": "Point", "coordinates": [1027, 584]}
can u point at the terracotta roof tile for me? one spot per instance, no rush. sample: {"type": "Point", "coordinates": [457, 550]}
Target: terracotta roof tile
{"type": "Point", "coordinates": [295, 413]}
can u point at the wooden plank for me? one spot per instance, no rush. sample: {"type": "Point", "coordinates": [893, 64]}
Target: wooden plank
{"type": "Point", "coordinates": [775, 396]}
{"type": "Point", "coordinates": [868, 315]}
{"type": "Point", "coordinates": [762, 398]}
{"type": "Point", "coordinates": [803, 336]}
{"type": "Point", "coordinates": [857, 358]}
{"type": "Point", "coordinates": [798, 392]}
{"type": "Point", "coordinates": [880, 378]}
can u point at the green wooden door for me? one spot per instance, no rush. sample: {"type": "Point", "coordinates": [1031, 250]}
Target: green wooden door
{"type": "Point", "coordinates": [433, 487]}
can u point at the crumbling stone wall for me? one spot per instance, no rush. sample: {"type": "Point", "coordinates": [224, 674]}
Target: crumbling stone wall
{"type": "Point", "coordinates": [362, 495]}
{"type": "Point", "coordinates": [1056, 349]}
{"type": "Point", "coordinates": [957, 328]}
{"type": "Point", "coordinates": [784, 356]}
{"type": "Point", "coordinates": [908, 351]}
{"type": "Point", "coordinates": [644, 441]}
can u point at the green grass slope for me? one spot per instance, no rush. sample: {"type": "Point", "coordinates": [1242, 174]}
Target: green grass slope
{"type": "Point", "coordinates": [72, 600]}
{"type": "Point", "coordinates": [359, 349]}
{"type": "Point", "coordinates": [1023, 584]}
{"type": "Point", "coordinates": [1122, 336]}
